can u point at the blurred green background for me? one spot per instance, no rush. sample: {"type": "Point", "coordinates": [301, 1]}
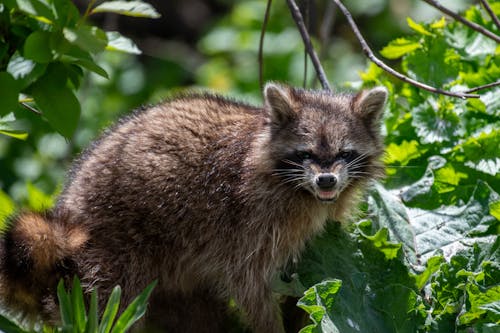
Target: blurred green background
{"type": "Point", "coordinates": [199, 45]}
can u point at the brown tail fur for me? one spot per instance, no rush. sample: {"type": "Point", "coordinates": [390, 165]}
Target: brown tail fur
{"type": "Point", "coordinates": [35, 253]}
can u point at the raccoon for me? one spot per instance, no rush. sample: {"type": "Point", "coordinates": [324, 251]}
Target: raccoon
{"type": "Point", "coordinates": [208, 196]}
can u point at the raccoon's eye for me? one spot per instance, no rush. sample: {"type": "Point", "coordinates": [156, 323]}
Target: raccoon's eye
{"type": "Point", "coordinates": [304, 155]}
{"type": "Point", "coordinates": [345, 154]}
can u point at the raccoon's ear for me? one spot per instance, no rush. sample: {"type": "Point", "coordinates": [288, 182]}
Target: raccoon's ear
{"type": "Point", "coordinates": [369, 104]}
{"type": "Point", "coordinates": [278, 102]}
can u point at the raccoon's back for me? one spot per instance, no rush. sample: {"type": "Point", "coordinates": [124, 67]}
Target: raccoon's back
{"type": "Point", "coordinates": [175, 159]}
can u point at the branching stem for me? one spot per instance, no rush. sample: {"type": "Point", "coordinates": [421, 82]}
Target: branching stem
{"type": "Point", "coordinates": [369, 53]}
{"type": "Point", "coordinates": [299, 21]}
{"type": "Point", "coordinates": [464, 21]}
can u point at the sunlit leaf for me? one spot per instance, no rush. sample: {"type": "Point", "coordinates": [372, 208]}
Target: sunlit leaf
{"type": "Point", "coordinates": [129, 8]}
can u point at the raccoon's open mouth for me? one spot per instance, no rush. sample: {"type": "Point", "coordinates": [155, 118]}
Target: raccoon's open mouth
{"type": "Point", "coordinates": [327, 196]}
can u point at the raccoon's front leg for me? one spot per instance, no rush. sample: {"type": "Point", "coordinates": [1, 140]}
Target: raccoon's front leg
{"type": "Point", "coordinates": [260, 309]}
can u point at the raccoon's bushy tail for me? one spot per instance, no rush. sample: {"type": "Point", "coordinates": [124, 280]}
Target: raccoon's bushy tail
{"type": "Point", "coordinates": [36, 251]}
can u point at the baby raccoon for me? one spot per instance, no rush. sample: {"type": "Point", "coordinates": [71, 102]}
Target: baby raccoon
{"type": "Point", "coordinates": [208, 196]}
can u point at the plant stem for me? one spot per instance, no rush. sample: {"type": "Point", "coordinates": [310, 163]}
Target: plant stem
{"type": "Point", "coordinates": [299, 21]}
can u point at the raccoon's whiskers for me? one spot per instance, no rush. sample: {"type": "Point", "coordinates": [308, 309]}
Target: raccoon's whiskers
{"type": "Point", "coordinates": [294, 163]}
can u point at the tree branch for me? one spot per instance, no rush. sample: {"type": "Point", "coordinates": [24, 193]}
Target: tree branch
{"type": "Point", "coordinates": [261, 44]}
{"type": "Point", "coordinates": [462, 20]}
{"type": "Point", "coordinates": [487, 7]}
{"type": "Point", "coordinates": [369, 53]}
{"type": "Point", "coordinates": [297, 16]}
{"type": "Point", "coordinates": [485, 86]}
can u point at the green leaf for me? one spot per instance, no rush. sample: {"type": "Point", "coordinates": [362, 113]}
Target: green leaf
{"type": "Point", "coordinates": [7, 207]}
{"type": "Point", "coordinates": [93, 317]}
{"type": "Point", "coordinates": [39, 9]}
{"type": "Point", "coordinates": [9, 93]}
{"type": "Point", "coordinates": [483, 302]}
{"type": "Point", "coordinates": [437, 120]}
{"type": "Point", "coordinates": [25, 71]}
{"type": "Point", "coordinates": [432, 266]}
{"type": "Point", "coordinates": [110, 311]}
{"type": "Point", "coordinates": [91, 39]}
{"type": "Point", "coordinates": [402, 153]}
{"type": "Point", "coordinates": [37, 200]}
{"type": "Point", "coordinates": [317, 301]}
{"type": "Point", "coordinates": [129, 8]}
{"type": "Point", "coordinates": [37, 47]}
{"type": "Point", "coordinates": [377, 294]}
{"type": "Point", "coordinates": [481, 151]}
{"type": "Point", "coordinates": [399, 47]}
{"type": "Point", "coordinates": [8, 326]}
{"type": "Point", "coordinates": [57, 102]}
{"type": "Point", "coordinates": [79, 315]}
{"type": "Point", "coordinates": [134, 311]}
{"type": "Point", "coordinates": [418, 27]}
{"type": "Point", "coordinates": [65, 307]}
{"type": "Point", "coordinates": [116, 42]}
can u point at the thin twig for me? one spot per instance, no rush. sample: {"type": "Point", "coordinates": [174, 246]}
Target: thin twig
{"type": "Point", "coordinates": [369, 53]}
{"type": "Point", "coordinates": [464, 21]}
{"type": "Point", "coordinates": [30, 108]}
{"type": "Point", "coordinates": [495, 19]}
{"type": "Point", "coordinates": [261, 44]}
{"type": "Point", "coordinates": [308, 27]}
{"type": "Point", "coordinates": [485, 86]}
{"type": "Point", "coordinates": [297, 16]}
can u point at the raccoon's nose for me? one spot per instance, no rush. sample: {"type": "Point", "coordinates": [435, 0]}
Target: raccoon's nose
{"type": "Point", "coordinates": [326, 181]}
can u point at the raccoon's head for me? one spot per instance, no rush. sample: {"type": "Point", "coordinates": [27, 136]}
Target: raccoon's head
{"type": "Point", "coordinates": [324, 143]}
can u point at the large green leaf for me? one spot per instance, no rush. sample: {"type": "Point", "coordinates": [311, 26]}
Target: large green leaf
{"type": "Point", "coordinates": [9, 93]}
{"type": "Point", "coordinates": [425, 233]}
{"type": "Point", "coordinates": [88, 38]}
{"type": "Point", "coordinates": [57, 102]}
{"type": "Point", "coordinates": [37, 47]}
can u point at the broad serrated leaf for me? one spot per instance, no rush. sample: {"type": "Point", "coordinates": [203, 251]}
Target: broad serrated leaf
{"type": "Point", "coordinates": [418, 27]}
{"type": "Point", "coordinates": [37, 47]}
{"type": "Point", "coordinates": [317, 301]}
{"type": "Point", "coordinates": [9, 93]}
{"type": "Point", "coordinates": [367, 301]}
{"type": "Point", "coordinates": [399, 47]}
{"type": "Point", "coordinates": [437, 120]}
{"type": "Point", "coordinates": [481, 151]}
{"type": "Point", "coordinates": [117, 42]}
{"type": "Point", "coordinates": [129, 8]}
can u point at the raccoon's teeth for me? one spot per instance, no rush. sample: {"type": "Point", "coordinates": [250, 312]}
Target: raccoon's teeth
{"type": "Point", "coordinates": [327, 195]}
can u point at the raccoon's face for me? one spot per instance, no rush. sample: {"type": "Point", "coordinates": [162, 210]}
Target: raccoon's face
{"type": "Point", "coordinates": [323, 143]}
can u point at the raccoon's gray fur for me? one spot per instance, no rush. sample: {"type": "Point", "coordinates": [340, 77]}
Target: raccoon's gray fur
{"type": "Point", "coordinates": [208, 196]}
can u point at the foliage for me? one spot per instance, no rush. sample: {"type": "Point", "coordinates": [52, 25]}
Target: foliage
{"type": "Point", "coordinates": [75, 318]}
{"type": "Point", "coordinates": [428, 258]}
{"type": "Point", "coordinates": [45, 46]}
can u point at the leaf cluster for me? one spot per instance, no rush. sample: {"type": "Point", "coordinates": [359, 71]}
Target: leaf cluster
{"type": "Point", "coordinates": [76, 317]}
{"type": "Point", "coordinates": [427, 259]}
{"type": "Point", "coordinates": [45, 46]}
